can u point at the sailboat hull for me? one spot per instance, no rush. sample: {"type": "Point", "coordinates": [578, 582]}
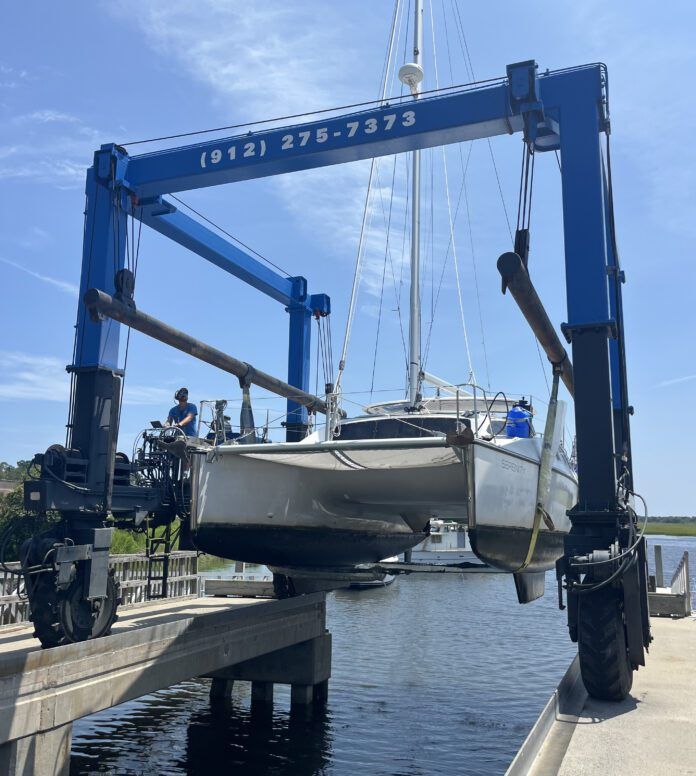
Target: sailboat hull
{"type": "Point", "coordinates": [505, 492]}
{"type": "Point", "coordinates": [302, 547]}
{"type": "Point", "coordinates": [322, 509]}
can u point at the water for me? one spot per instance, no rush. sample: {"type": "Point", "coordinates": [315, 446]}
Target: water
{"type": "Point", "coordinates": [433, 675]}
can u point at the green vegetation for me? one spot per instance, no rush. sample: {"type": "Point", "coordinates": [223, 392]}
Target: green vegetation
{"type": "Point", "coordinates": [12, 505]}
{"type": "Point", "coordinates": [16, 473]}
{"type": "Point", "coordinates": [211, 562]}
{"type": "Point", "coordinates": [672, 529]}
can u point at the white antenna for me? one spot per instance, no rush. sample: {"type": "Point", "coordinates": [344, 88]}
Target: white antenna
{"type": "Point", "coordinates": [411, 74]}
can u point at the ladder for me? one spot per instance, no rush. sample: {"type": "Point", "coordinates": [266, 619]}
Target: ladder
{"type": "Point", "coordinates": [157, 551]}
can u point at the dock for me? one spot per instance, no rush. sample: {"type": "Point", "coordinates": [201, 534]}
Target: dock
{"type": "Point", "coordinates": [650, 732]}
{"type": "Point", "coordinates": [153, 646]}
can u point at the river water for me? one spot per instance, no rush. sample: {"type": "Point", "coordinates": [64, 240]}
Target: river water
{"type": "Point", "coordinates": [435, 674]}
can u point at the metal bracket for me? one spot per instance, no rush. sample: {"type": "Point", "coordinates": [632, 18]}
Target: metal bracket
{"type": "Point", "coordinates": [111, 163]}
{"type": "Point", "coordinates": [569, 329]}
{"type": "Point", "coordinates": [524, 96]}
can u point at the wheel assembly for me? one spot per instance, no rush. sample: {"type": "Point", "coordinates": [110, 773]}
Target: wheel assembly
{"type": "Point", "coordinates": [65, 616]}
{"type": "Point", "coordinates": [602, 645]}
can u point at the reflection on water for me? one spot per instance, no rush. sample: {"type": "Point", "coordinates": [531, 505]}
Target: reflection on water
{"type": "Point", "coordinates": [436, 674]}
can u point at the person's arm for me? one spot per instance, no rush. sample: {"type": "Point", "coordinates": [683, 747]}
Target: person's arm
{"type": "Point", "coordinates": [186, 420]}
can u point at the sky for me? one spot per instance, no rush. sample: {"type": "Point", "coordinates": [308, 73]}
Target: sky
{"type": "Point", "coordinates": [95, 72]}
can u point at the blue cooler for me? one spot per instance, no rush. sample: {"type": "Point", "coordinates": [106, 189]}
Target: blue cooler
{"type": "Point", "coordinates": [519, 422]}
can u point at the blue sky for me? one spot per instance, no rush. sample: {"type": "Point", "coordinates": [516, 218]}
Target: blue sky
{"type": "Point", "coordinates": [119, 71]}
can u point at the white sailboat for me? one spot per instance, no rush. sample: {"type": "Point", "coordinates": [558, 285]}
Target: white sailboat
{"type": "Point", "coordinates": [370, 485]}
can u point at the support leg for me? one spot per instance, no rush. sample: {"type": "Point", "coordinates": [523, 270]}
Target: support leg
{"type": "Point", "coordinates": [221, 689]}
{"type": "Point", "coordinates": [262, 692]}
{"type": "Point", "coordinates": [321, 692]}
{"type": "Point", "coordinates": [301, 694]}
{"type": "Point", "coordinates": [46, 753]}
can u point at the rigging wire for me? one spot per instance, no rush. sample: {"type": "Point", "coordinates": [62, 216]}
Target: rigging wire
{"type": "Point", "coordinates": [447, 252]}
{"type": "Point", "coordinates": [387, 222]}
{"type": "Point", "coordinates": [449, 214]}
{"type": "Point", "coordinates": [468, 208]}
{"type": "Point", "coordinates": [366, 216]}
{"type": "Point", "coordinates": [459, 25]}
{"type": "Point", "coordinates": [376, 102]}
{"type": "Point", "coordinates": [387, 255]}
{"type": "Point", "coordinates": [231, 236]}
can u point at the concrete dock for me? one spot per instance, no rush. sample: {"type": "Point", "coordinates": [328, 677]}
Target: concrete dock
{"type": "Point", "coordinates": [651, 732]}
{"type": "Point", "coordinates": [153, 646]}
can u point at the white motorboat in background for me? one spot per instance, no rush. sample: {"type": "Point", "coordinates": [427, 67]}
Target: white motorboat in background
{"type": "Point", "coordinates": [447, 542]}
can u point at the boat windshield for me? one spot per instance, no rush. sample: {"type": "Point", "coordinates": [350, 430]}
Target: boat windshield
{"type": "Point", "coordinates": [408, 427]}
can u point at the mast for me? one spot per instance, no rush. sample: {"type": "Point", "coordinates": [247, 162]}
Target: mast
{"type": "Point", "coordinates": [412, 74]}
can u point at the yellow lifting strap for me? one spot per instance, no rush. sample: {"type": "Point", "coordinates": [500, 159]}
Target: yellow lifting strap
{"type": "Point", "coordinates": [545, 471]}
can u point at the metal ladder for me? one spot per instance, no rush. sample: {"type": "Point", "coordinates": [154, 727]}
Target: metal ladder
{"type": "Point", "coordinates": [157, 551]}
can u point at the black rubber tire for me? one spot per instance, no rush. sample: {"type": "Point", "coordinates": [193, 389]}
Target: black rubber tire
{"type": "Point", "coordinates": [78, 618]}
{"type": "Point", "coordinates": [48, 611]}
{"type": "Point", "coordinates": [602, 646]}
{"type": "Point", "coordinates": [44, 612]}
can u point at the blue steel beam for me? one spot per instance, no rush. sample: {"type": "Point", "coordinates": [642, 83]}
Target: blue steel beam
{"type": "Point", "coordinates": [390, 129]}
{"type": "Point", "coordinates": [474, 113]}
{"type": "Point", "coordinates": [164, 218]}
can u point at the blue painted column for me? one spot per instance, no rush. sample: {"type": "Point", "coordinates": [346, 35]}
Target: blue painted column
{"type": "Point", "coordinates": [103, 254]}
{"type": "Point", "coordinates": [589, 309]}
{"type": "Point", "coordinates": [617, 346]}
{"type": "Point", "coordinates": [94, 413]}
{"type": "Point", "coordinates": [298, 357]}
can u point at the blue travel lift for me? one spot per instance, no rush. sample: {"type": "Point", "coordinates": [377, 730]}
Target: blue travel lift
{"type": "Point", "coordinates": [566, 111]}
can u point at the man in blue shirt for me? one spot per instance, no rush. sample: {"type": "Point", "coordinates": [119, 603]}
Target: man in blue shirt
{"type": "Point", "coordinates": [183, 415]}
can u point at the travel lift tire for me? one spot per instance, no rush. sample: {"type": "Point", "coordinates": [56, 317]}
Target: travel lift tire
{"type": "Point", "coordinates": [64, 617]}
{"type": "Point", "coordinates": [602, 645]}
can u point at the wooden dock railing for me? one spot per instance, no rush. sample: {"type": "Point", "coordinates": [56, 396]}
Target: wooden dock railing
{"type": "Point", "coordinates": [130, 572]}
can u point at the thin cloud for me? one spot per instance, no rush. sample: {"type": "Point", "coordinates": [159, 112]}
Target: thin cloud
{"type": "Point", "coordinates": [139, 395]}
{"type": "Point", "coordinates": [284, 71]}
{"type": "Point", "coordinates": [32, 377]}
{"type": "Point", "coordinates": [47, 116]}
{"type": "Point", "coordinates": [72, 144]}
{"type": "Point", "coordinates": [276, 72]}
{"type": "Point", "coordinates": [676, 381]}
{"type": "Point", "coordinates": [27, 376]}
{"type": "Point", "coordinates": [63, 285]}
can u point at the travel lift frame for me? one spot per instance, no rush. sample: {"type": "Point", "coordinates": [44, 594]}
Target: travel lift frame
{"type": "Point", "coordinates": [567, 110]}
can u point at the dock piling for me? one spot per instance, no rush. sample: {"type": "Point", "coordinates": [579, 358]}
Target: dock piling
{"type": "Point", "coordinates": [659, 573]}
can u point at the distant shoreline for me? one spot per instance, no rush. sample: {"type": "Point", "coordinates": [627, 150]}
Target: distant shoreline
{"type": "Point", "coordinates": [672, 529]}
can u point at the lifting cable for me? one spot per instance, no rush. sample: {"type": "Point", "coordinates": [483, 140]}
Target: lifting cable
{"type": "Point", "coordinates": [524, 220]}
